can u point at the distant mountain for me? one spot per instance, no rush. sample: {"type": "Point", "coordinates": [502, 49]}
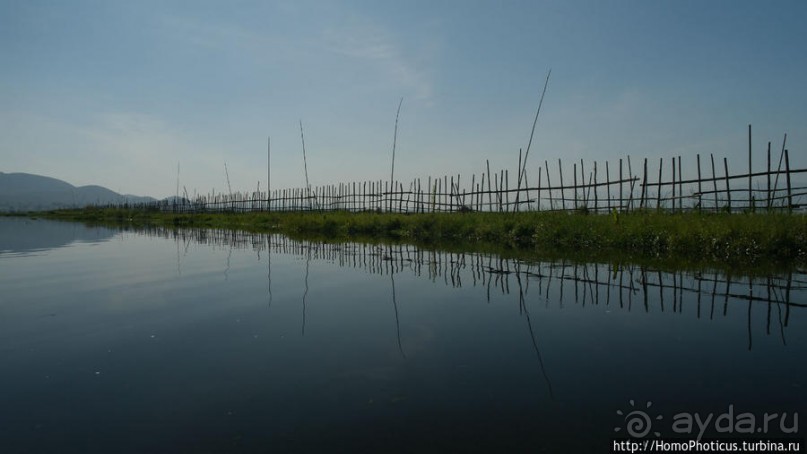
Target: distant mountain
{"type": "Point", "coordinates": [28, 192]}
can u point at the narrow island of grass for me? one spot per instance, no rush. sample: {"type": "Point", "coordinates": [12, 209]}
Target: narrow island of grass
{"type": "Point", "coordinates": [725, 240]}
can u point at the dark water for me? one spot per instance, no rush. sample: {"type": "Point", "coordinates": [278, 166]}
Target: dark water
{"type": "Point", "coordinates": [199, 341]}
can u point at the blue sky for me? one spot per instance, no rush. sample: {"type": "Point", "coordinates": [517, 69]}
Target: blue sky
{"type": "Point", "coordinates": [117, 92]}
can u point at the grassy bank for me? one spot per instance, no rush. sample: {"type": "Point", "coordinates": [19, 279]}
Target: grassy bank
{"type": "Point", "coordinates": [734, 240]}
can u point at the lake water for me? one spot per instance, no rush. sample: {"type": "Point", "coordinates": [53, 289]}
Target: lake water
{"type": "Point", "coordinates": [209, 341]}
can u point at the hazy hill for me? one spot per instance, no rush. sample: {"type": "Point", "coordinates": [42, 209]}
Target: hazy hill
{"type": "Point", "coordinates": [28, 192]}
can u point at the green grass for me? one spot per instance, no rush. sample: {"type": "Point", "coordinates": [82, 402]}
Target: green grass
{"type": "Point", "coordinates": [736, 240]}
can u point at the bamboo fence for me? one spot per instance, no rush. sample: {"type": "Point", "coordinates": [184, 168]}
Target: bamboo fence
{"type": "Point", "coordinates": [598, 187]}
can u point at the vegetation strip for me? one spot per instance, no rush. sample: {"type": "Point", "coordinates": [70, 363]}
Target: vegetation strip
{"type": "Point", "coordinates": [716, 238]}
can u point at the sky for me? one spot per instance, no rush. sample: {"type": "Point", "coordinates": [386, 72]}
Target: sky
{"type": "Point", "coordinates": [122, 93]}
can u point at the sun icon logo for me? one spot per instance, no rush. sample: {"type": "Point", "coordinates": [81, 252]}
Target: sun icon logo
{"type": "Point", "coordinates": [637, 422]}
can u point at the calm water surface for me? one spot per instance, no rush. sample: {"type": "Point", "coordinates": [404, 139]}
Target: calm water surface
{"type": "Point", "coordinates": [201, 341]}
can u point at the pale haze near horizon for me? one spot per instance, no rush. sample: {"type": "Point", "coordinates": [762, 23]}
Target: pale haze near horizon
{"type": "Point", "coordinates": [118, 93]}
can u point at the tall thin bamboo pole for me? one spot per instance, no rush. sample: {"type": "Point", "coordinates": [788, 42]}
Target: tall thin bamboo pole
{"type": "Point", "coordinates": [305, 162]}
{"type": "Point", "coordinates": [394, 140]}
{"type": "Point", "coordinates": [532, 132]}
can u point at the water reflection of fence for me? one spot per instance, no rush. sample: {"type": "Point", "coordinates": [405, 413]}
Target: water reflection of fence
{"type": "Point", "coordinates": [594, 187]}
{"type": "Point", "coordinates": [626, 287]}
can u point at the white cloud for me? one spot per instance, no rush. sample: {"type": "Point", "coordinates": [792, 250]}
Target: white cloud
{"type": "Point", "coordinates": [362, 39]}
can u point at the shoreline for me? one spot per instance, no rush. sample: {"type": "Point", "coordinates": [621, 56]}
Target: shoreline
{"type": "Point", "coordinates": [728, 241]}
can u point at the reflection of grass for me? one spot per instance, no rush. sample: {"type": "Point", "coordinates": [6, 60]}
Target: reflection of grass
{"type": "Point", "coordinates": [738, 239]}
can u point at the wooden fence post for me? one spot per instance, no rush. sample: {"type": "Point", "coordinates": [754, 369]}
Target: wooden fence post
{"type": "Point", "coordinates": [632, 182]}
{"type": "Point", "coordinates": [539, 188]}
{"type": "Point", "coordinates": [787, 175]}
{"type": "Point", "coordinates": [658, 192]}
{"type": "Point", "coordinates": [621, 198]}
{"type": "Point", "coordinates": [644, 195]}
{"type": "Point", "coordinates": [583, 183]}
{"type": "Point", "coordinates": [680, 186]}
{"type": "Point", "coordinates": [562, 191]}
{"type": "Point", "coordinates": [714, 180]}
{"type": "Point", "coordinates": [595, 187]}
{"type": "Point", "coordinates": [549, 186]}
{"type": "Point", "coordinates": [751, 204]}
{"type": "Point", "coordinates": [768, 173]}
{"type": "Point", "coordinates": [728, 187]}
{"type": "Point", "coordinates": [490, 194]}
{"type": "Point", "coordinates": [673, 184]}
{"type": "Point", "coordinates": [507, 190]}
{"type": "Point", "coordinates": [574, 174]}
{"type": "Point", "coordinates": [451, 200]}
{"type": "Point", "coordinates": [608, 185]}
{"type": "Point", "coordinates": [700, 195]}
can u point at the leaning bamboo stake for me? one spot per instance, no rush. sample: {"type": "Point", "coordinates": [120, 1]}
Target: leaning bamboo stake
{"type": "Point", "coordinates": [394, 140]}
{"type": "Point", "coordinates": [632, 181]}
{"type": "Point", "coordinates": [526, 187]}
{"type": "Point", "coordinates": [305, 162]}
{"type": "Point", "coordinates": [779, 167]}
{"type": "Point", "coordinates": [460, 200]}
{"type": "Point", "coordinates": [532, 132]}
